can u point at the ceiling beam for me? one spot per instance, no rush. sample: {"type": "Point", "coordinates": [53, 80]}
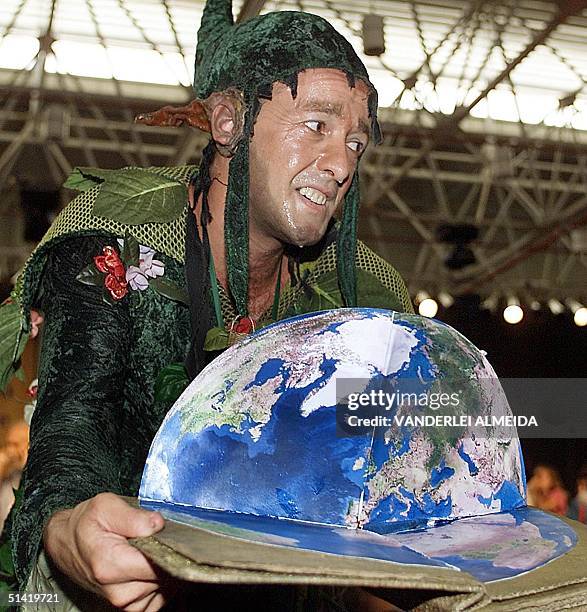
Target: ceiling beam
{"type": "Point", "coordinates": [537, 243]}
{"type": "Point", "coordinates": [566, 10]}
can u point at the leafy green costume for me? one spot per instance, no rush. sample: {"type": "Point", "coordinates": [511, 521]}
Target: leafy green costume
{"type": "Point", "coordinates": [96, 413]}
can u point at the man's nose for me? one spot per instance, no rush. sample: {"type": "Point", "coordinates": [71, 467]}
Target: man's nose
{"type": "Point", "coordinates": [335, 160]}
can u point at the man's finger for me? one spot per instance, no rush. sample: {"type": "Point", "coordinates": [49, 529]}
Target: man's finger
{"type": "Point", "coordinates": [156, 603]}
{"type": "Point", "coordinates": [152, 603]}
{"type": "Point", "coordinates": [124, 563]}
{"type": "Point", "coordinates": [125, 520]}
{"type": "Point", "coordinates": [131, 595]}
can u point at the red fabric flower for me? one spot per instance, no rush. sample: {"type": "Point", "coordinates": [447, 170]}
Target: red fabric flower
{"type": "Point", "coordinates": [109, 262]}
{"type": "Point", "coordinates": [244, 326]}
{"type": "Point", "coordinates": [118, 289]}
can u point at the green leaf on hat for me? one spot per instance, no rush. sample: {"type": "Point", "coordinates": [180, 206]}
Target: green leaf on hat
{"type": "Point", "coordinates": [169, 289]}
{"type": "Point", "coordinates": [134, 196]}
{"type": "Point", "coordinates": [82, 179]}
{"type": "Point", "coordinates": [12, 341]}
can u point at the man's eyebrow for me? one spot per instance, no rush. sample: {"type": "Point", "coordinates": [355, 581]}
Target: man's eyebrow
{"type": "Point", "coordinates": [364, 127]}
{"type": "Point", "coordinates": [335, 109]}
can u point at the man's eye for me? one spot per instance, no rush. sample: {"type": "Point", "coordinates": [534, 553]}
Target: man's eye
{"type": "Point", "coordinates": [355, 146]}
{"type": "Point", "coordinates": [314, 125]}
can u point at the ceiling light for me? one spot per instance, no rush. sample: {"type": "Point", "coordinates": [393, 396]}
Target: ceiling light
{"type": "Point", "coordinates": [421, 296]}
{"type": "Point", "coordinates": [555, 306]}
{"type": "Point", "coordinates": [513, 312]}
{"type": "Point", "coordinates": [580, 317]}
{"type": "Point", "coordinates": [579, 311]}
{"type": "Point", "coordinates": [446, 299]}
{"type": "Point", "coordinates": [490, 303]}
{"type": "Point", "coordinates": [428, 307]}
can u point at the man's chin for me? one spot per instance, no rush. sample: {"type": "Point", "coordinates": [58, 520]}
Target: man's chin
{"type": "Point", "coordinates": [306, 237]}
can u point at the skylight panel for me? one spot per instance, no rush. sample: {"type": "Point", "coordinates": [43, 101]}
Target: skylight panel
{"type": "Point", "coordinates": [82, 59]}
{"type": "Point", "coordinates": [146, 66]}
{"type": "Point", "coordinates": [17, 51]}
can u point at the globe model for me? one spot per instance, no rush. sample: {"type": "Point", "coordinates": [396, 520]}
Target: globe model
{"type": "Point", "coordinates": [267, 428]}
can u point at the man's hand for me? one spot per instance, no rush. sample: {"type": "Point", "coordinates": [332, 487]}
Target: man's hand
{"type": "Point", "coordinates": [89, 544]}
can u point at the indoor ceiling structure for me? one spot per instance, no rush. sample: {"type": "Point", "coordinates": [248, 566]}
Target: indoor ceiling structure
{"type": "Point", "coordinates": [480, 184]}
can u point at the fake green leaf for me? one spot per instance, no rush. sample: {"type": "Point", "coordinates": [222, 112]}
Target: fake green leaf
{"type": "Point", "coordinates": [90, 275]}
{"type": "Point", "coordinates": [82, 179]}
{"type": "Point", "coordinates": [170, 383]}
{"type": "Point", "coordinates": [131, 251]}
{"type": "Point", "coordinates": [169, 289]}
{"type": "Point", "coordinates": [216, 339]}
{"type": "Point", "coordinates": [106, 297]}
{"type": "Point", "coordinates": [135, 196]}
{"type": "Point", "coordinates": [371, 292]}
{"type": "Point", "coordinates": [12, 342]}
{"type": "Point", "coordinates": [324, 295]}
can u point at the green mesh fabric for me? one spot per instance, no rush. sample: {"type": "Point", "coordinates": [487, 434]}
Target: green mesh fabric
{"type": "Point", "coordinates": [163, 237]}
{"type": "Point", "coordinates": [366, 260]}
{"type": "Point", "coordinates": [389, 277]}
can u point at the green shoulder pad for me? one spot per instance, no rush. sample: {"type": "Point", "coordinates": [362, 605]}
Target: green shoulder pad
{"type": "Point", "coordinates": [378, 280]}
{"type": "Point", "coordinates": [78, 219]}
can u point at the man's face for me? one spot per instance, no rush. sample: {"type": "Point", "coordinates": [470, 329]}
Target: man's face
{"type": "Point", "coordinates": [303, 155]}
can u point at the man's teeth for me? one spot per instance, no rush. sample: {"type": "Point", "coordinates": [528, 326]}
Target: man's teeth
{"type": "Point", "coordinates": [314, 195]}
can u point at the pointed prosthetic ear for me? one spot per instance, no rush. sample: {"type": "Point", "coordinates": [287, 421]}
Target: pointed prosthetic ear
{"type": "Point", "coordinates": [226, 115]}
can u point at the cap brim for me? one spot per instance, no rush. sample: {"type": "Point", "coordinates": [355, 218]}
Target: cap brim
{"type": "Point", "coordinates": [208, 554]}
{"type": "Point", "coordinates": [490, 547]}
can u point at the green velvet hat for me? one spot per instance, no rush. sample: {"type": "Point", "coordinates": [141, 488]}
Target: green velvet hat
{"type": "Point", "coordinates": [251, 57]}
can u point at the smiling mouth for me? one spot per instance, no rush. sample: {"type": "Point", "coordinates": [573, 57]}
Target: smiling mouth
{"type": "Point", "coordinates": [313, 195]}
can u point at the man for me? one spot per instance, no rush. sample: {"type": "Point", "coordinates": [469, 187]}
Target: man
{"type": "Point", "coordinates": [290, 110]}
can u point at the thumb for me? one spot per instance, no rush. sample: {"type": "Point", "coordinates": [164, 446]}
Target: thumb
{"type": "Point", "coordinates": [122, 519]}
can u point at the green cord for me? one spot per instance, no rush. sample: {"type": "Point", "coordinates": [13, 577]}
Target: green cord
{"type": "Point", "coordinates": [275, 307]}
{"type": "Point", "coordinates": [215, 293]}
